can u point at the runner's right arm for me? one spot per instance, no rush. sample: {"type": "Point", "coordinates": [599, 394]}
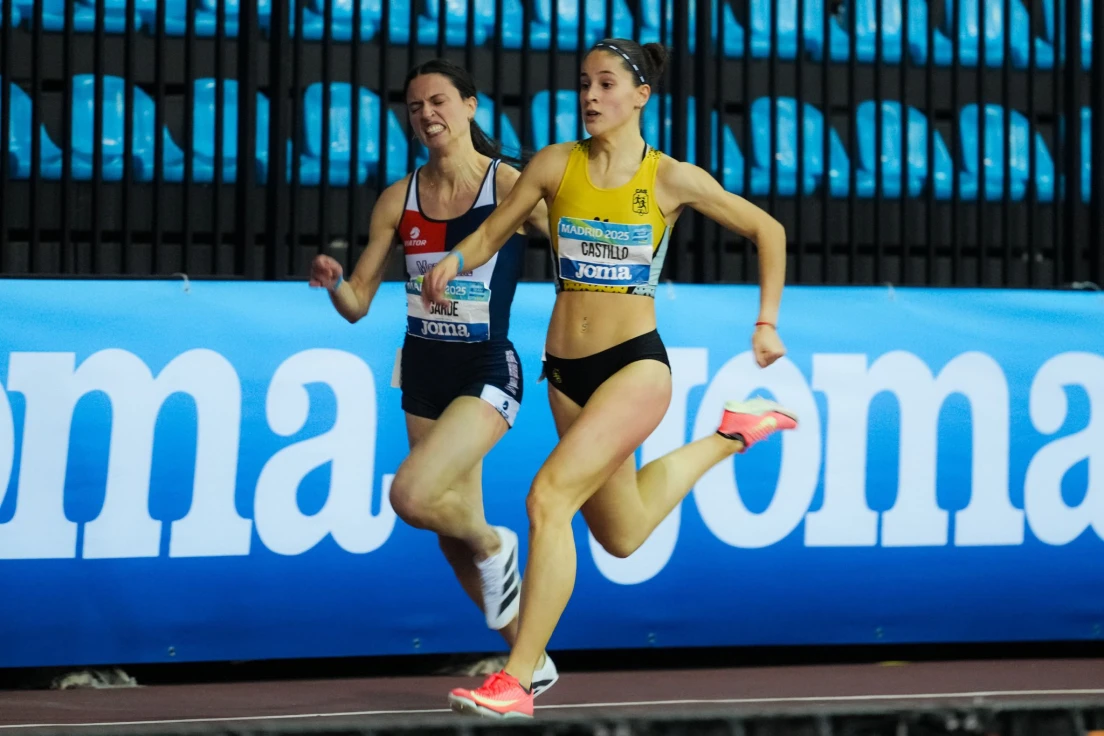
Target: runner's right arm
{"type": "Point", "coordinates": [352, 297]}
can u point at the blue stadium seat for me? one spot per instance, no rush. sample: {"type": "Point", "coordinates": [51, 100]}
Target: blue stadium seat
{"type": "Point", "coordinates": [567, 116]}
{"type": "Point", "coordinates": [13, 16]}
{"type": "Point", "coordinates": [1044, 47]}
{"type": "Point", "coordinates": [341, 165]}
{"type": "Point", "coordinates": [456, 22]}
{"type": "Point", "coordinates": [866, 32]}
{"type": "Point", "coordinates": [839, 40]}
{"type": "Point", "coordinates": [341, 22]}
{"type": "Point", "coordinates": [484, 116]}
{"type": "Point", "coordinates": [734, 35]}
{"type": "Point", "coordinates": [892, 162]}
{"type": "Point", "coordinates": [785, 150]}
{"type": "Point", "coordinates": [991, 168]}
{"type": "Point", "coordinates": [761, 20]}
{"type": "Point", "coordinates": [83, 15]}
{"type": "Point", "coordinates": [918, 37]}
{"type": "Point", "coordinates": [112, 143]}
{"type": "Point", "coordinates": [732, 178]}
{"type": "Point", "coordinates": [20, 141]}
{"type": "Point", "coordinates": [204, 158]}
{"type": "Point", "coordinates": [969, 31]}
{"type": "Point", "coordinates": [204, 12]}
{"type": "Point", "coordinates": [594, 23]}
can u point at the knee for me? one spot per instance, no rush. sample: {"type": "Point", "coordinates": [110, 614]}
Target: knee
{"type": "Point", "coordinates": [548, 503]}
{"type": "Point", "coordinates": [410, 501]}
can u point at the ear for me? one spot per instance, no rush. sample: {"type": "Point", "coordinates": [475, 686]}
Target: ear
{"type": "Point", "coordinates": [472, 103]}
{"type": "Point", "coordinates": [643, 94]}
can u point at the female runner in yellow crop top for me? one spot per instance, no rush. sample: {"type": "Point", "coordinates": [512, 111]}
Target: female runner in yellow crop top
{"type": "Point", "coordinates": [612, 202]}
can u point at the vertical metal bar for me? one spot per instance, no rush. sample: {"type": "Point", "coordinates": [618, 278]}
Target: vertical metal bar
{"type": "Point", "coordinates": [749, 144]}
{"type": "Point", "coordinates": [1072, 153]}
{"type": "Point", "coordinates": [956, 69]}
{"type": "Point", "coordinates": [526, 99]}
{"type": "Point", "coordinates": [773, 146]}
{"type": "Point", "coordinates": [128, 171]}
{"type": "Point", "coordinates": [1006, 103]}
{"type": "Point", "coordinates": [496, 69]}
{"type": "Point", "coordinates": [929, 112]}
{"type": "Point", "coordinates": [826, 196]}
{"type": "Point", "coordinates": [879, 134]}
{"type": "Point", "coordinates": [298, 107]}
{"type": "Point", "coordinates": [799, 200]}
{"type": "Point", "coordinates": [351, 236]}
{"type": "Point", "coordinates": [469, 41]}
{"type": "Point", "coordinates": [1096, 163]}
{"type": "Point", "coordinates": [68, 255]}
{"type": "Point", "coordinates": [440, 27]}
{"type": "Point", "coordinates": [159, 122]}
{"type": "Point", "coordinates": [97, 156]}
{"type": "Point", "coordinates": [36, 148]}
{"type": "Point", "coordinates": [354, 155]}
{"type": "Point", "coordinates": [703, 140]}
{"type": "Point", "coordinates": [5, 124]}
{"type": "Point", "coordinates": [220, 120]}
{"type": "Point", "coordinates": [983, 124]}
{"type": "Point", "coordinates": [247, 143]}
{"type": "Point", "coordinates": [719, 140]}
{"type": "Point", "coordinates": [384, 88]}
{"type": "Point", "coordinates": [1061, 56]}
{"type": "Point", "coordinates": [553, 71]}
{"type": "Point", "coordinates": [853, 258]}
{"type": "Point", "coordinates": [187, 245]}
{"type": "Point", "coordinates": [276, 193]}
{"type": "Point", "coordinates": [1031, 248]}
{"type": "Point", "coordinates": [580, 43]}
{"type": "Point", "coordinates": [680, 101]}
{"type": "Point", "coordinates": [905, 233]}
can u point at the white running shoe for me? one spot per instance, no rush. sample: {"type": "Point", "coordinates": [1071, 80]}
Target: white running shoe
{"type": "Point", "coordinates": [545, 677]}
{"type": "Point", "coordinates": [501, 581]}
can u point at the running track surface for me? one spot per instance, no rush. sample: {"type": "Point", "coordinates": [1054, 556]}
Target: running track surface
{"type": "Point", "coordinates": [379, 701]}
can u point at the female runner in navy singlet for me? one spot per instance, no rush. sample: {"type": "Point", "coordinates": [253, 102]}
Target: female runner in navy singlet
{"type": "Point", "coordinates": [460, 375]}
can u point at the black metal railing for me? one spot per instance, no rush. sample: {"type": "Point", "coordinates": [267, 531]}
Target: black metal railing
{"type": "Point", "coordinates": [143, 171]}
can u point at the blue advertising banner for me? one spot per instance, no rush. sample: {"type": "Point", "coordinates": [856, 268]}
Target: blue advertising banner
{"type": "Point", "coordinates": [200, 472]}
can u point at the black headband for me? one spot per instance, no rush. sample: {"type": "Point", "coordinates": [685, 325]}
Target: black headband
{"type": "Point", "coordinates": [639, 73]}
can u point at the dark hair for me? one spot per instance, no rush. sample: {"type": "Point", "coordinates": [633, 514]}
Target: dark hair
{"type": "Point", "coordinates": [459, 77]}
{"type": "Point", "coordinates": [646, 64]}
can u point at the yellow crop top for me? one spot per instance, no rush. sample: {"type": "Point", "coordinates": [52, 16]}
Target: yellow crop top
{"type": "Point", "coordinates": [611, 240]}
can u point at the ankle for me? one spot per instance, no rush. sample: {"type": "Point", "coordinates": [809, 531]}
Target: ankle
{"type": "Point", "coordinates": [487, 545]}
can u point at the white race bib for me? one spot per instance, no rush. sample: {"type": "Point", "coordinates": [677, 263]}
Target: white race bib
{"type": "Point", "coordinates": [604, 253]}
{"type": "Point", "coordinates": [466, 317]}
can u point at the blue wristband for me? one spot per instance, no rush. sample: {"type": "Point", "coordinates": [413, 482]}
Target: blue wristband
{"type": "Point", "coordinates": [460, 258]}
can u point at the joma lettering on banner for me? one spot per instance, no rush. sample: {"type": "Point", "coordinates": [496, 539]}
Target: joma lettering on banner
{"type": "Point", "coordinates": [51, 385]}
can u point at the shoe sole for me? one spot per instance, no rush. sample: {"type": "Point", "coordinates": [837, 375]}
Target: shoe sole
{"type": "Point", "coordinates": [471, 708]}
{"type": "Point", "coordinates": [734, 407]}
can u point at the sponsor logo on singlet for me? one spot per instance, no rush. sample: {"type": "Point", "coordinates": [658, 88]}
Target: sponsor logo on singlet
{"type": "Point", "coordinates": [604, 253]}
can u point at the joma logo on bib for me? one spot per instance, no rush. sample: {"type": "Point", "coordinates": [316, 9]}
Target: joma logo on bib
{"type": "Point", "coordinates": [444, 329]}
{"type": "Point", "coordinates": [605, 273]}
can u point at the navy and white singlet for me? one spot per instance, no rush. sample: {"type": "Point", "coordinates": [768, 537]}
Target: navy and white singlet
{"type": "Point", "coordinates": [462, 349]}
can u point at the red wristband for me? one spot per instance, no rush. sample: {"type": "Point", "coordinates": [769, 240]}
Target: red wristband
{"type": "Point", "coordinates": [768, 324]}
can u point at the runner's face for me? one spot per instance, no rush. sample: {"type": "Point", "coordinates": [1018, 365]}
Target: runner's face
{"type": "Point", "coordinates": [608, 96]}
{"type": "Point", "coordinates": [438, 115]}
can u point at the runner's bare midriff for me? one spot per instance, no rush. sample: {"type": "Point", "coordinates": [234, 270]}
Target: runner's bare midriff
{"type": "Point", "coordinates": [585, 322]}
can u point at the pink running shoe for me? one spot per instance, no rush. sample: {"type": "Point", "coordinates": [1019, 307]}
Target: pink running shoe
{"type": "Point", "coordinates": [500, 696]}
{"type": "Point", "coordinates": [754, 420]}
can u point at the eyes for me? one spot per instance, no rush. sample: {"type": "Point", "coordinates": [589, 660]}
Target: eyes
{"type": "Point", "coordinates": [584, 84]}
{"type": "Point", "coordinates": [436, 101]}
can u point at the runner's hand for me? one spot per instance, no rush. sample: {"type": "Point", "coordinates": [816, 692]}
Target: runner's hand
{"type": "Point", "coordinates": [325, 271]}
{"type": "Point", "coordinates": [434, 283]}
{"type": "Point", "coordinates": [767, 345]}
